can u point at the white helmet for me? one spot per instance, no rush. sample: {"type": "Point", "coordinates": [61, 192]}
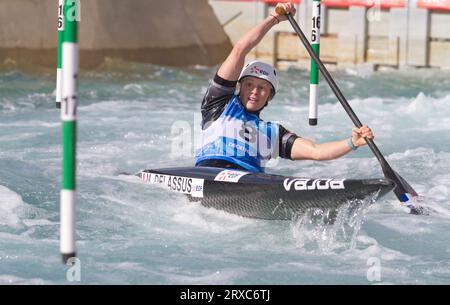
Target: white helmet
{"type": "Point", "coordinates": [261, 70]}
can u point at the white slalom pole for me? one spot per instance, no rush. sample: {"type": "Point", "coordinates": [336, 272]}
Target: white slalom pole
{"type": "Point", "coordinates": [314, 76]}
{"type": "Point", "coordinates": [68, 117]}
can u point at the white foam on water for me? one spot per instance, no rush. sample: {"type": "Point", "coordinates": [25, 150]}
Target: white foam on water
{"type": "Point", "coordinates": [113, 106]}
{"type": "Point", "coordinates": [39, 222]}
{"type": "Point", "coordinates": [441, 271]}
{"type": "Point", "coordinates": [424, 106]}
{"type": "Point", "coordinates": [11, 208]}
{"type": "Point", "coordinates": [134, 88]}
{"type": "Point", "coordinates": [31, 123]}
{"type": "Point", "coordinates": [345, 265]}
{"type": "Point", "coordinates": [369, 247]}
{"type": "Point", "coordinates": [20, 137]}
{"type": "Point", "coordinates": [222, 277]}
{"type": "Point", "coordinates": [14, 280]}
{"type": "Point", "coordinates": [21, 228]}
{"type": "Point", "coordinates": [208, 219]}
{"type": "Point", "coordinates": [125, 266]}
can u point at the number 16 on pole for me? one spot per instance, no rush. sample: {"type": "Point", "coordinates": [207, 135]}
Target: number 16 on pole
{"type": "Point", "coordinates": [314, 75]}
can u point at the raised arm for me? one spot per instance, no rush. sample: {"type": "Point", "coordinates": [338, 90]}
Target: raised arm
{"type": "Point", "coordinates": [233, 64]}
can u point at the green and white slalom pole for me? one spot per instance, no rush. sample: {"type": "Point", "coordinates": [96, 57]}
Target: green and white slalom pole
{"type": "Point", "coordinates": [59, 64]}
{"type": "Point", "coordinates": [68, 117]}
{"type": "Point", "coordinates": [314, 75]}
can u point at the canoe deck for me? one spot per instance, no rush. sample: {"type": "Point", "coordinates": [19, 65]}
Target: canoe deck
{"type": "Point", "coordinates": [264, 196]}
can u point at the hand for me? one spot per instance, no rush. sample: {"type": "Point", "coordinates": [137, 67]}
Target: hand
{"type": "Point", "coordinates": [282, 9]}
{"type": "Point", "coordinates": [358, 135]}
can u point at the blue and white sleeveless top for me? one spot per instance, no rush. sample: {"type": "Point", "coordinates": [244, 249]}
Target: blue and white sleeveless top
{"type": "Point", "coordinates": [240, 137]}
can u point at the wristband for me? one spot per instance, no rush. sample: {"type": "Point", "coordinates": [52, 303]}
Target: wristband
{"type": "Point", "coordinates": [351, 145]}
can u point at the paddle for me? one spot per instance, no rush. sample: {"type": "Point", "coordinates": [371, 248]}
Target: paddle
{"type": "Point", "coordinates": [402, 187]}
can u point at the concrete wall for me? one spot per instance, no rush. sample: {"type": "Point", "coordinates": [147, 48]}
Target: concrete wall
{"type": "Point", "coordinates": [395, 37]}
{"type": "Point", "coordinates": [439, 36]}
{"type": "Point", "coordinates": [169, 32]}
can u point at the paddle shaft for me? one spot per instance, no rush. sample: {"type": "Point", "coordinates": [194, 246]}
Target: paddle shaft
{"type": "Point", "coordinates": [337, 91]}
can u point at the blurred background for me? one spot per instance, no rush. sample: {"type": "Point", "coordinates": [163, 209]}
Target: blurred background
{"type": "Point", "coordinates": [375, 33]}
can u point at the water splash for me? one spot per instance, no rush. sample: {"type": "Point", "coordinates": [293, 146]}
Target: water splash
{"type": "Point", "coordinates": [328, 231]}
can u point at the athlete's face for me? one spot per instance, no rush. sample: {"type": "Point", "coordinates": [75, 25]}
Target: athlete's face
{"type": "Point", "coordinates": [254, 93]}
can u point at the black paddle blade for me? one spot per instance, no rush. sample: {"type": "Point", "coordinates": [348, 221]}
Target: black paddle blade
{"type": "Point", "coordinates": [401, 189]}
